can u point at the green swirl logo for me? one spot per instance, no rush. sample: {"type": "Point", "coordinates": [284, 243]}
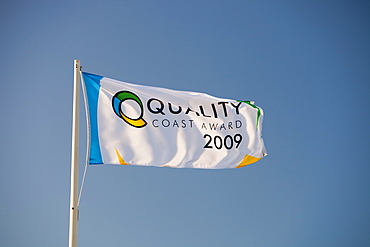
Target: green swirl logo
{"type": "Point", "coordinates": [121, 97]}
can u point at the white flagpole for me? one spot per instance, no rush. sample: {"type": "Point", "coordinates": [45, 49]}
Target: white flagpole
{"type": "Point", "coordinates": [73, 216]}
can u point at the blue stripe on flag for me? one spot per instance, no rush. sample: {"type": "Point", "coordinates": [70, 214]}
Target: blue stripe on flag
{"type": "Point", "coordinates": [92, 84]}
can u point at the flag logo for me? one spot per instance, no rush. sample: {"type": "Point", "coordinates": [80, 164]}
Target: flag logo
{"type": "Point", "coordinates": [122, 97]}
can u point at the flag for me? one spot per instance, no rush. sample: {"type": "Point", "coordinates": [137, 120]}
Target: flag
{"type": "Point", "coordinates": [150, 126]}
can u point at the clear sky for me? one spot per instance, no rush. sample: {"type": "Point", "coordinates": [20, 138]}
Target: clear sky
{"type": "Point", "coordinates": [305, 63]}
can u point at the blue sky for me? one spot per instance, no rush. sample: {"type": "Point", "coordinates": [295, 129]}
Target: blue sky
{"type": "Point", "coordinates": [306, 63]}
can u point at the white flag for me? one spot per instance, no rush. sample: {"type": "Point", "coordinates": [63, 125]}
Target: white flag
{"type": "Point", "coordinates": [150, 126]}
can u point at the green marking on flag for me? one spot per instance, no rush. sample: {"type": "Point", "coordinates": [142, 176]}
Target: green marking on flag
{"type": "Point", "coordinates": [256, 107]}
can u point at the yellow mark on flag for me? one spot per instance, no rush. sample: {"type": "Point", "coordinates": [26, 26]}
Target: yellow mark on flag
{"type": "Point", "coordinates": [247, 161]}
{"type": "Point", "coordinates": [120, 159]}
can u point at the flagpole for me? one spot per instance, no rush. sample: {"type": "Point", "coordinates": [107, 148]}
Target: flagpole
{"type": "Point", "coordinates": [73, 215]}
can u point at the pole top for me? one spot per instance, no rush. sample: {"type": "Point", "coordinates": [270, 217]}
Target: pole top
{"type": "Point", "coordinates": [77, 64]}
